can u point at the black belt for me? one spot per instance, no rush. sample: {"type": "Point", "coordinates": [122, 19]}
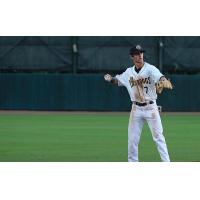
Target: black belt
{"type": "Point", "coordinates": [142, 104]}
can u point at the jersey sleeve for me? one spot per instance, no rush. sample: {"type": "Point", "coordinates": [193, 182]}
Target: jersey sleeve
{"type": "Point", "coordinates": [155, 74]}
{"type": "Point", "coordinates": [122, 79]}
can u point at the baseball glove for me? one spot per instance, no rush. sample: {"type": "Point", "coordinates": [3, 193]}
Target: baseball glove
{"type": "Point", "coordinates": [163, 83]}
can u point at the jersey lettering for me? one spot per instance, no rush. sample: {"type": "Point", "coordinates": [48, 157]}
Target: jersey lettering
{"type": "Point", "coordinates": [134, 82]}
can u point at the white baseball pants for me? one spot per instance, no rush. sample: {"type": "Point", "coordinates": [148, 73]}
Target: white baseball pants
{"type": "Point", "coordinates": [138, 115]}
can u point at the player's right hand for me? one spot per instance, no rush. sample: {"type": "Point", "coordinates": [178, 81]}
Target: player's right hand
{"type": "Point", "coordinates": [108, 77]}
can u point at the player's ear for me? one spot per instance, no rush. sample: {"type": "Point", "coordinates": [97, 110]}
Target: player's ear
{"type": "Point", "coordinates": [131, 57]}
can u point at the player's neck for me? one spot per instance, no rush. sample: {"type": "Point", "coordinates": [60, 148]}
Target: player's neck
{"type": "Point", "coordinates": [139, 65]}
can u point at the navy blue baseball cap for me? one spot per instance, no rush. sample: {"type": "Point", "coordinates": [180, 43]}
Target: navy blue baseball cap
{"type": "Point", "coordinates": [136, 49]}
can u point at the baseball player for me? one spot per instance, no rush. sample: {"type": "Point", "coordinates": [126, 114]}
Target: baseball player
{"type": "Point", "coordinates": [143, 81]}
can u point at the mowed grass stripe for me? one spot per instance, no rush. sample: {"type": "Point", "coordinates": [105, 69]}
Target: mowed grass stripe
{"type": "Point", "coordinates": [91, 137]}
{"type": "Point", "coordinates": [62, 138]}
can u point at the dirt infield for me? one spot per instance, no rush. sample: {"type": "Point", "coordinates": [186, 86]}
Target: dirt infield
{"type": "Point", "coordinates": [36, 112]}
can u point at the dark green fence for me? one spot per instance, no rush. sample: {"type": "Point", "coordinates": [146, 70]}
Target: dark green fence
{"type": "Point", "coordinates": [60, 92]}
{"type": "Point", "coordinates": [87, 93]}
{"type": "Point", "coordinates": [184, 97]}
{"type": "Point", "coordinates": [97, 53]}
{"type": "Point", "coordinates": [35, 53]}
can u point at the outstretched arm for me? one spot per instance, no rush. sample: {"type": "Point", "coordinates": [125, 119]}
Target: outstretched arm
{"type": "Point", "coordinates": [110, 79]}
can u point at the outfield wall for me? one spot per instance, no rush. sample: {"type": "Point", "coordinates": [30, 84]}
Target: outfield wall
{"type": "Point", "coordinates": [87, 92]}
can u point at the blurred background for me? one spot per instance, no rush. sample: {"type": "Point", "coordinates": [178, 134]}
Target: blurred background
{"type": "Point", "coordinates": [66, 73]}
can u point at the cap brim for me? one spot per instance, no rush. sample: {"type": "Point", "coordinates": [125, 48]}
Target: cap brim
{"type": "Point", "coordinates": [141, 51]}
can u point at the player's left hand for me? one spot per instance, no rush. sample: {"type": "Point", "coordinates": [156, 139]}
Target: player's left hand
{"type": "Point", "coordinates": [164, 83]}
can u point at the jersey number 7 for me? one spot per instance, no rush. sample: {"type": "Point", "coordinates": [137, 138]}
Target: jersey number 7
{"type": "Point", "coordinates": [146, 89]}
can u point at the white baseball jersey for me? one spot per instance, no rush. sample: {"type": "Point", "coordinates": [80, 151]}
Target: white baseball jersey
{"type": "Point", "coordinates": [141, 85]}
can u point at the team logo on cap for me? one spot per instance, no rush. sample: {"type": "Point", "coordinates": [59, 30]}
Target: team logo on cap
{"type": "Point", "coordinates": [138, 47]}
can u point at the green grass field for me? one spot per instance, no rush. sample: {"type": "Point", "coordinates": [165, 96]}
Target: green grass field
{"type": "Point", "coordinates": [91, 137]}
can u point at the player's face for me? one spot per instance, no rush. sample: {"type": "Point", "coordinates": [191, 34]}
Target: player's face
{"type": "Point", "coordinates": [138, 58]}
